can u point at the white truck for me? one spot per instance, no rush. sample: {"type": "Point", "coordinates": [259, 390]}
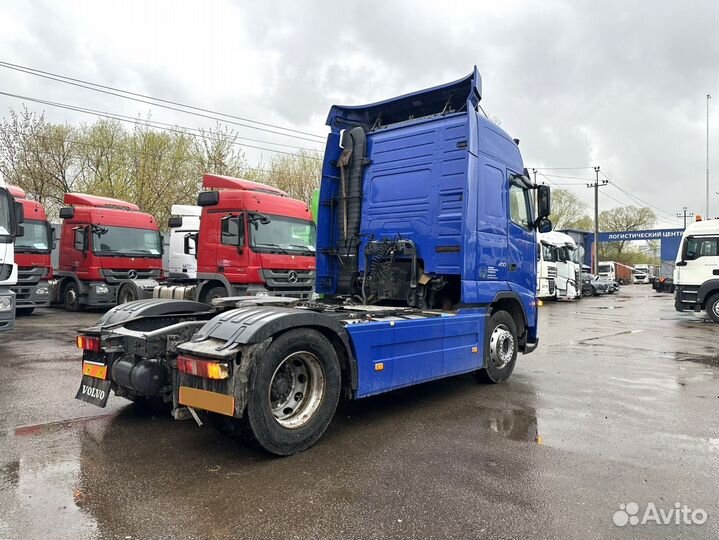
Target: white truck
{"type": "Point", "coordinates": [546, 270]}
{"type": "Point", "coordinates": [696, 271]}
{"type": "Point", "coordinates": [641, 274]}
{"type": "Point", "coordinates": [10, 228]}
{"type": "Point", "coordinates": [564, 250]}
{"type": "Point", "coordinates": [181, 256]}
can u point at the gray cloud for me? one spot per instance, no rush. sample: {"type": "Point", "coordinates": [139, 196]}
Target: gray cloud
{"type": "Point", "coordinates": [612, 83]}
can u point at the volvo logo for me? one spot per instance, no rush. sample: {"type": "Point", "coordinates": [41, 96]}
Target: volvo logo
{"type": "Point", "coordinates": [292, 276]}
{"type": "Point", "coordinates": [132, 274]}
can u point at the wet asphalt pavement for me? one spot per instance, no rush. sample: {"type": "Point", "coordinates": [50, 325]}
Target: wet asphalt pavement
{"type": "Point", "coordinates": [619, 404]}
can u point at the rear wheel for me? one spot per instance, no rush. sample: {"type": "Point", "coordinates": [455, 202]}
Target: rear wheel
{"type": "Point", "coordinates": [294, 392]}
{"type": "Point", "coordinates": [713, 308]}
{"type": "Point", "coordinates": [500, 348]}
{"type": "Point", "coordinates": [24, 310]}
{"type": "Point", "coordinates": [214, 292]}
{"type": "Point", "coordinates": [71, 298]}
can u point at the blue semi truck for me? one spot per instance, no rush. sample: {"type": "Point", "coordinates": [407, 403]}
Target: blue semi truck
{"type": "Point", "coordinates": [425, 262]}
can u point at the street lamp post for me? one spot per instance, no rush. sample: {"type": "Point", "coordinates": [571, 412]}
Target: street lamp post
{"type": "Point", "coordinates": [707, 206]}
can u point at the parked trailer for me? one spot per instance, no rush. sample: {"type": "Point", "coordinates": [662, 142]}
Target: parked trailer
{"type": "Point", "coordinates": [421, 281]}
{"type": "Point", "coordinates": [11, 217]}
{"type": "Point", "coordinates": [616, 271]}
{"type": "Point", "coordinates": [32, 255]}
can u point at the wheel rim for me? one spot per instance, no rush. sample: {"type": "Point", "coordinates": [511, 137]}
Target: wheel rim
{"type": "Point", "coordinates": [715, 309]}
{"type": "Point", "coordinates": [70, 296]}
{"type": "Point", "coordinates": [296, 389]}
{"type": "Point", "coordinates": [501, 346]}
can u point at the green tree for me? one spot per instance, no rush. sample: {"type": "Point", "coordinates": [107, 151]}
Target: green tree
{"type": "Point", "coordinates": [568, 211]}
{"type": "Point", "coordinates": [623, 218]}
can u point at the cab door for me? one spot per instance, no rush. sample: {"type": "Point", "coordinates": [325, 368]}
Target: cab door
{"type": "Point", "coordinates": [521, 250]}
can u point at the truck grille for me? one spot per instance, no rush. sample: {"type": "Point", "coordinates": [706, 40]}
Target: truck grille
{"type": "Point", "coordinates": [289, 280]}
{"type": "Point", "coordinates": [112, 275]}
{"type": "Point", "coordinates": [552, 285]}
{"type": "Point", "coordinates": [28, 275]}
{"type": "Point", "coordinates": [552, 272]}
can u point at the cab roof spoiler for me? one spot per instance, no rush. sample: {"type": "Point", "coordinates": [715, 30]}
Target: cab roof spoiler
{"type": "Point", "coordinates": [216, 181]}
{"type": "Point", "coordinates": [443, 99]}
{"type": "Point", "coordinates": [83, 199]}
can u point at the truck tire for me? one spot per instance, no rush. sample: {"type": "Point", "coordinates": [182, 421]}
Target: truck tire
{"type": "Point", "coordinates": [500, 348]}
{"type": "Point", "coordinates": [71, 298]}
{"type": "Point", "coordinates": [214, 292]}
{"type": "Point", "coordinates": [293, 392]}
{"type": "Point", "coordinates": [24, 310]}
{"type": "Point", "coordinates": [713, 307]}
{"type": "Point", "coordinates": [127, 294]}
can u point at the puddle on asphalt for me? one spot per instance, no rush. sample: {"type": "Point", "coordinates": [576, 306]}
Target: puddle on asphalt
{"type": "Point", "coordinates": [512, 424]}
{"type": "Point", "coordinates": [706, 360]}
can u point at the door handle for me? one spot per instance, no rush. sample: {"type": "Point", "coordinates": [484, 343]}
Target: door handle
{"type": "Point", "coordinates": [512, 267]}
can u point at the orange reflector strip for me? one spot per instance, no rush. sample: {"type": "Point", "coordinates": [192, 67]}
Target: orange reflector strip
{"type": "Point", "coordinates": [202, 368]}
{"type": "Point", "coordinates": [379, 366]}
{"type": "Point", "coordinates": [88, 343]}
{"type": "Point", "coordinates": [94, 370]}
{"type": "Point", "coordinates": [207, 401]}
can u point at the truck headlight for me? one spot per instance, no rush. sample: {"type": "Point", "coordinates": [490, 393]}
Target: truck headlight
{"type": "Point", "coordinates": [262, 293]}
{"type": "Point", "coordinates": [5, 303]}
{"type": "Point", "coordinates": [42, 291]}
{"type": "Point", "coordinates": [102, 289]}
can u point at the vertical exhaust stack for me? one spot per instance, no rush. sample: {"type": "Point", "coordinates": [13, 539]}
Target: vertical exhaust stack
{"type": "Point", "coordinates": [351, 163]}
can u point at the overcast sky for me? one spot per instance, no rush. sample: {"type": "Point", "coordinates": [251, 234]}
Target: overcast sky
{"type": "Point", "coordinates": [617, 84]}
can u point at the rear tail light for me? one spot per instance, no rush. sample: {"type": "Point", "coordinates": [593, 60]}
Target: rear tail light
{"type": "Point", "coordinates": [88, 343]}
{"type": "Point", "coordinates": [202, 368]}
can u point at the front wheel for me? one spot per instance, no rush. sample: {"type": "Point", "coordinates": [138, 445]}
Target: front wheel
{"type": "Point", "coordinates": [713, 308]}
{"type": "Point", "coordinates": [294, 390]}
{"type": "Point", "coordinates": [71, 298]}
{"type": "Point", "coordinates": [500, 348]}
{"type": "Point", "coordinates": [214, 292]}
{"type": "Point", "coordinates": [127, 294]}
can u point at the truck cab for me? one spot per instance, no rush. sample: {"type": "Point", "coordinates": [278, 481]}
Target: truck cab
{"type": "Point", "coordinates": [181, 256]}
{"type": "Point", "coordinates": [546, 269]}
{"type": "Point", "coordinates": [11, 217]}
{"type": "Point", "coordinates": [696, 270]}
{"type": "Point", "coordinates": [567, 280]}
{"type": "Point", "coordinates": [110, 252]}
{"type": "Point", "coordinates": [254, 240]}
{"type": "Point", "coordinates": [641, 274]}
{"type": "Point", "coordinates": [32, 255]}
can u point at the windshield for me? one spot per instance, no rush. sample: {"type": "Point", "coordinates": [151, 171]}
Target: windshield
{"type": "Point", "coordinates": [36, 238]}
{"type": "Point", "coordinates": [124, 241]}
{"type": "Point", "coordinates": [283, 234]}
{"type": "Point", "coordinates": [5, 226]}
{"type": "Point", "coordinates": [605, 268]}
{"type": "Point", "coordinates": [547, 253]}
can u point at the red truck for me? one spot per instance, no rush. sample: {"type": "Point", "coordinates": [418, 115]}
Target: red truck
{"type": "Point", "coordinates": [253, 240]}
{"type": "Point", "coordinates": [32, 255]}
{"type": "Point", "coordinates": [108, 251]}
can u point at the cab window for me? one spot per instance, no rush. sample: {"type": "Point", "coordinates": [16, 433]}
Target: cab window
{"type": "Point", "coordinates": [701, 247]}
{"type": "Point", "coordinates": [79, 238]}
{"type": "Point", "coordinates": [519, 206]}
{"type": "Point", "coordinates": [233, 230]}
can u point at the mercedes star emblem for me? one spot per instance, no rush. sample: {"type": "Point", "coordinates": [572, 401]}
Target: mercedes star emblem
{"type": "Point", "coordinates": [292, 277]}
{"type": "Point", "coordinates": [132, 274]}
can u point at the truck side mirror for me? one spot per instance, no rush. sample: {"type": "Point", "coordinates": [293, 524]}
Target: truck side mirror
{"type": "Point", "coordinates": [544, 225]}
{"type": "Point", "coordinates": [19, 213]}
{"type": "Point", "coordinates": [53, 240]}
{"type": "Point", "coordinates": [174, 221]}
{"type": "Point", "coordinates": [20, 230]}
{"type": "Point", "coordinates": [67, 213]}
{"type": "Point", "coordinates": [544, 203]}
{"type": "Point", "coordinates": [190, 244]}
